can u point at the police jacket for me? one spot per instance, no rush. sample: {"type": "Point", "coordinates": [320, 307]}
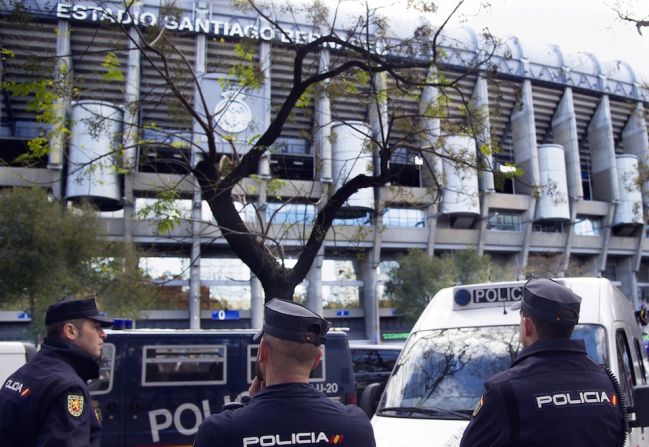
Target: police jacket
{"type": "Point", "coordinates": [553, 395]}
{"type": "Point", "coordinates": [46, 403]}
{"type": "Point", "coordinates": [285, 415]}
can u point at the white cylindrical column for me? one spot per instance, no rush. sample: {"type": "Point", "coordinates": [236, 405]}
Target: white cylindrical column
{"type": "Point", "coordinates": [460, 196]}
{"type": "Point", "coordinates": [629, 210]}
{"type": "Point", "coordinates": [351, 157]}
{"type": "Point", "coordinates": [553, 200]}
{"type": "Point", "coordinates": [95, 134]}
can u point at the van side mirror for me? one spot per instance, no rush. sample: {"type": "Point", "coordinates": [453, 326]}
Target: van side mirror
{"type": "Point", "coordinates": [640, 406]}
{"type": "Point", "coordinates": [368, 397]}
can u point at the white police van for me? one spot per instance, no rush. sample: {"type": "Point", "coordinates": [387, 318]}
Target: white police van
{"type": "Point", "coordinates": [466, 334]}
{"type": "Point", "coordinates": [13, 355]}
{"type": "Point", "coordinates": [156, 386]}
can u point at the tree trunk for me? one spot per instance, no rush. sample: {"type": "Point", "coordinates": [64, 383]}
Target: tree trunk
{"type": "Point", "coordinates": [277, 290]}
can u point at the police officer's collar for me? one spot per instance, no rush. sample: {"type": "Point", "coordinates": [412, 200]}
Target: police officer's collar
{"type": "Point", "coordinates": [281, 389]}
{"type": "Point", "coordinates": [86, 367]}
{"type": "Point", "coordinates": [547, 346]}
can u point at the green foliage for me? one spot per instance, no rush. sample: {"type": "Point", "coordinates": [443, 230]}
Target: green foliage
{"type": "Point", "coordinates": [362, 77]}
{"type": "Point", "coordinates": [44, 96]}
{"type": "Point", "coordinates": [306, 99]}
{"type": "Point", "coordinates": [38, 147]}
{"type": "Point", "coordinates": [121, 287]}
{"type": "Point", "coordinates": [246, 71]}
{"type": "Point", "coordinates": [419, 277]}
{"type": "Point", "coordinates": [244, 50]}
{"type": "Point", "coordinates": [274, 187]}
{"type": "Point", "coordinates": [350, 88]}
{"type": "Point", "coordinates": [486, 149]}
{"type": "Point", "coordinates": [6, 53]}
{"type": "Point", "coordinates": [164, 211]}
{"type": "Point", "coordinates": [113, 68]}
{"type": "Point", "coordinates": [47, 253]}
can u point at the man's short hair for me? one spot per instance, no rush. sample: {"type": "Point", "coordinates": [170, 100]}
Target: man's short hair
{"type": "Point", "coordinates": [547, 330]}
{"type": "Point", "coordinates": [292, 353]}
{"type": "Point", "coordinates": [56, 329]}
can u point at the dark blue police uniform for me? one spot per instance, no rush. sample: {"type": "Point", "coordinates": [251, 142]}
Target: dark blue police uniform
{"type": "Point", "coordinates": [46, 402]}
{"type": "Point", "coordinates": [288, 414]}
{"type": "Point", "coordinates": [554, 394]}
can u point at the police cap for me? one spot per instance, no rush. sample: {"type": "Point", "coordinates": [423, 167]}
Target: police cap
{"type": "Point", "coordinates": [550, 301]}
{"type": "Point", "coordinates": [291, 321]}
{"type": "Point", "coordinates": [71, 309]}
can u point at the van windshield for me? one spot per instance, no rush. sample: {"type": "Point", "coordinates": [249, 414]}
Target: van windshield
{"type": "Point", "coordinates": [441, 372]}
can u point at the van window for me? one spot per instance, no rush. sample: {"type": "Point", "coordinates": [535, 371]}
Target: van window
{"type": "Point", "coordinates": [104, 383]}
{"type": "Point", "coordinates": [374, 360]}
{"type": "Point", "coordinates": [317, 375]}
{"type": "Point", "coordinates": [638, 352]}
{"type": "Point", "coordinates": [625, 366]}
{"type": "Point", "coordinates": [444, 370]}
{"type": "Point", "coordinates": [184, 364]}
{"type": "Point", "coordinates": [253, 350]}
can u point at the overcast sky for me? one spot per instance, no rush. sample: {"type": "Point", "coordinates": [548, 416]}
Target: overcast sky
{"type": "Point", "coordinates": [575, 25]}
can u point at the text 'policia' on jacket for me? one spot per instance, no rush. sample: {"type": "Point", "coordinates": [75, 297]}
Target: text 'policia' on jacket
{"type": "Point", "coordinates": [157, 386]}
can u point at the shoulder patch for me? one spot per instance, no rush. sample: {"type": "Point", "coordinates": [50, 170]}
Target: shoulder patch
{"type": "Point", "coordinates": [75, 405]}
{"type": "Point", "coordinates": [479, 406]}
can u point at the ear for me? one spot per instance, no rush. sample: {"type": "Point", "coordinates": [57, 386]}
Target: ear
{"type": "Point", "coordinates": [529, 329]}
{"type": "Point", "coordinates": [262, 351]}
{"type": "Point", "coordinates": [69, 332]}
{"type": "Point", "coordinates": [317, 359]}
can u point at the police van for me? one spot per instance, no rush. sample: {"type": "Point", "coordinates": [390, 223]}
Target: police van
{"type": "Point", "coordinates": [13, 355]}
{"type": "Point", "coordinates": [467, 334]}
{"type": "Point", "coordinates": [157, 386]}
{"type": "Point", "coordinates": [372, 364]}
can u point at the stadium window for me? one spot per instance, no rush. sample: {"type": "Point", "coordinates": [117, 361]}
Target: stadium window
{"type": "Point", "coordinates": [290, 213]}
{"type": "Point", "coordinates": [587, 226]}
{"type": "Point", "coordinates": [504, 221]}
{"type": "Point", "coordinates": [404, 217]}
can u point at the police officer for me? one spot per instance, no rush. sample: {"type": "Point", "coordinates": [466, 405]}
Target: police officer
{"type": "Point", "coordinates": [284, 408]}
{"type": "Point", "coordinates": [554, 394]}
{"type": "Point", "coordinates": [46, 403]}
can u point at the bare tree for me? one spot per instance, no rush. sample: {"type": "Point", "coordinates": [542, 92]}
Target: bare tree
{"type": "Point", "coordinates": [629, 12]}
{"type": "Point", "coordinates": [368, 60]}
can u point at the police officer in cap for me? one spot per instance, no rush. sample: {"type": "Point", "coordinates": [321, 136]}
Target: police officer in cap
{"type": "Point", "coordinates": [46, 402]}
{"type": "Point", "coordinates": [284, 409]}
{"type": "Point", "coordinates": [554, 394]}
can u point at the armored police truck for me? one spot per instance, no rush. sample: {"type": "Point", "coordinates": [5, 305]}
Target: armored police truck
{"type": "Point", "coordinates": [467, 334]}
{"type": "Point", "coordinates": [157, 386]}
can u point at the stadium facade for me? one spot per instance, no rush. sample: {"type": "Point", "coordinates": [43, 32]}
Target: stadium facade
{"type": "Point", "coordinates": [571, 121]}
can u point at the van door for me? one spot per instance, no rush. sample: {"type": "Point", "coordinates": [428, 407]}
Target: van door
{"type": "Point", "coordinates": [334, 376]}
{"type": "Point", "coordinates": [177, 382]}
{"type": "Point", "coordinates": [628, 378]}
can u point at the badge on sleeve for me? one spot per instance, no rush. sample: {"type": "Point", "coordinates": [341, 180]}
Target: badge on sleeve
{"type": "Point", "coordinates": [75, 405]}
{"type": "Point", "coordinates": [479, 406]}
